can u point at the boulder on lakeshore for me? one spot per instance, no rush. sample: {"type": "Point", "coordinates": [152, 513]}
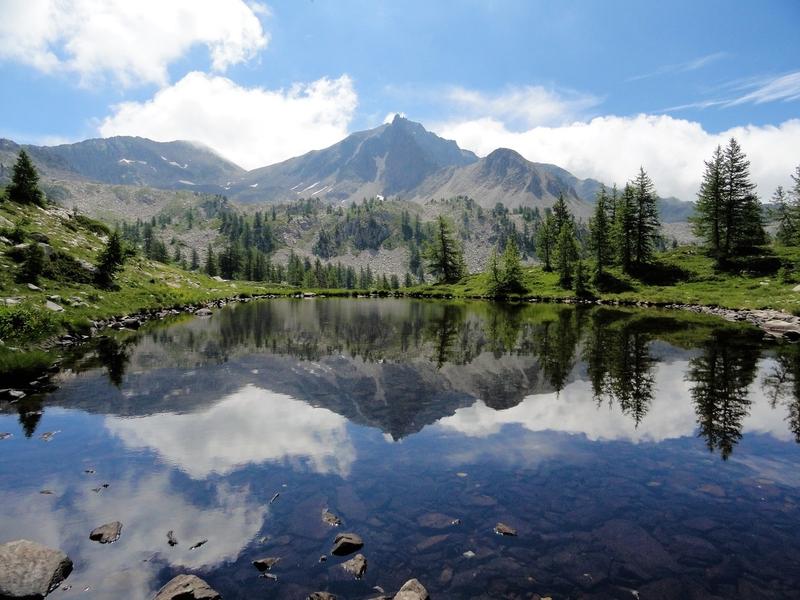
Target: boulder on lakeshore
{"type": "Point", "coordinates": [203, 312]}
{"type": "Point", "coordinates": [187, 587]}
{"type": "Point", "coordinates": [106, 534]}
{"type": "Point", "coordinates": [346, 543]}
{"type": "Point", "coordinates": [31, 570]}
{"type": "Point", "coordinates": [412, 590]}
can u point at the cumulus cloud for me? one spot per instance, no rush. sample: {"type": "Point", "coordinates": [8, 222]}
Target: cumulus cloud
{"type": "Point", "coordinates": [133, 42]}
{"type": "Point", "coordinates": [525, 106]}
{"type": "Point", "coordinates": [612, 148]}
{"type": "Point", "coordinates": [251, 126]}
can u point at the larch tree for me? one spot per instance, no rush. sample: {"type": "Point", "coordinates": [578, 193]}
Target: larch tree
{"type": "Point", "coordinates": [445, 259]}
{"type": "Point", "coordinates": [707, 221]}
{"type": "Point", "coordinates": [24, 188]}
{"type": "Point", "coordinates": [646, 221]}
{"type": "Point", "coordinates": [599, 234]}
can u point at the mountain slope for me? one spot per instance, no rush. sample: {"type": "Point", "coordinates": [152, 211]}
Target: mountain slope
{"type": "Point", "coordinates": [505, 176]}
{"type": "Point", "coordinates": [130, 161]}
{"type": "Point", "coordinates": [392, 159]}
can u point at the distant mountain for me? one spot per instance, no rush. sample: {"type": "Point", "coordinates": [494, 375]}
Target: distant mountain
{"type": "Point", "coordinates": [130, 161]}
{"type": "Point", "coordinates": [390, 160]}
{"type": "Point", "coordinates": [400, 159]}
{"type": "Point", "coordinates": [506, 176]}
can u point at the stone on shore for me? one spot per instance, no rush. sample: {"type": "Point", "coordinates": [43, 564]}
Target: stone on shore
{"type": "Point", "coordinates": [356, 566]}
{"type": "Point", "coordinates": [203, 312]}
{"type": "Point", "coordinates": [31, 570]}
{"type": "Point", "coordinates": [106, 534]}
{"type": "Point", "coordinates": [412, 590]}
{"type": "Point", "coordinates": [346, 543]}
{"type": "Point", "coordinates": [187, 587]}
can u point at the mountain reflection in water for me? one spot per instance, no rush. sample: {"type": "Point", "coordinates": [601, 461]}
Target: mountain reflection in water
{"type": "Point", "coordinates": [633, 450]}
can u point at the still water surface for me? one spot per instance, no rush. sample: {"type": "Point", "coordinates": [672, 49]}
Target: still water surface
{"type": "Point", "coordinates": [637, 454]}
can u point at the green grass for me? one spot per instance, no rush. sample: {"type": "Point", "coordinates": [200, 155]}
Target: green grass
{"type": "Point", "coordinates": [685, 275]}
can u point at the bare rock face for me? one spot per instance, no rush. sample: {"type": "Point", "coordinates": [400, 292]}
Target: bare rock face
{"type": "Point", "coordinates": [31, 570]}
{"type": "Point", "coordinates": [106, 534]}
{"type": "Point", "coordinates": [346, 543]}
{"type": "Point", "coordinates": [187, 587]}
{"type": "Point", "coordinates": [412, 590]}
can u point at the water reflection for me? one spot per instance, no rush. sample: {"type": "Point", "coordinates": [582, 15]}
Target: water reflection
{"type": "Point", "coordinates": [588, 429]}
{"type": "Point", "coordinates": [400, 365]}
{"type": "Point", "coordinates": [249, 426]}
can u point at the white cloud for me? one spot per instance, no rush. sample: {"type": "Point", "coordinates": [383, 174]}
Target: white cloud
{"type": "Point", "coordinates": [251, 126]}
{"type": "Point", "coordinates": [390, 116]}
{"type": "Point", "coordinates": [785, 87]}
{"type": "Point", "coordinates": [250, 426]}
{"type": "Point", "coordinates": [612, 148]}
{"type": "Point", "coordinates": [526, 106]}
{"type": "Point", "coordinates": [133, 42]}
{"type": "Point", "coordinates": [690, 65]}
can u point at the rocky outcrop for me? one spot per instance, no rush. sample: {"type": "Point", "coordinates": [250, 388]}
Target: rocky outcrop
{"type": "Point", "coordinates": [187, 587]}
{"type": "Point", "coordinates": [31, 570]}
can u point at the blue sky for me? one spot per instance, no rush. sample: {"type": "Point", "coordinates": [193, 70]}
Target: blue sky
{"type": "Point", "coordinates": [262, 82]}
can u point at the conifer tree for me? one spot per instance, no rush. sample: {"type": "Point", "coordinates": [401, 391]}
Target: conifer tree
{"type": "Point", "coordinates": [707, 222]}
{"type": "Point", "coordinates": [624, 228]}
{"type": "Point", "coordinates": [546, 234]}
{"type": "Point", "coordinates": [195, 260]}
{"type": "Point", "coordinates": [566, 253]}
{"type": "Point", "coordinates": [110, 260]}
{"type": "Point", "coordinates": [581, 290]}
{"type": "Point", "coordinates": [24, 188]}
{"type": "Point", "coordinates": [211, 263]}
{"type": "Point", "coordinates": [787, 232]}
{"type": "Point", "coordinates": [599, 234]}
{"type": "Point", "coordinates": [33, 264]}
{"type": "Point", "coordinates": [646, 221]}
{"type": "Point", "coordinates": [444, 256]}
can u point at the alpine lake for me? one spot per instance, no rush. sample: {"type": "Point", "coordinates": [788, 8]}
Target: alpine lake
{"type": "Point", "coordinates": [625, 453]}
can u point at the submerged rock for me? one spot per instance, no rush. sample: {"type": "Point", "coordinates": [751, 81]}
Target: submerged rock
{"type": "Point", "coordinates": [330, 518]}
{"type": "Point", "coordinates": [187, 587]}
{"type": "Point", "coordinates": [503, 529]}
{"type": "Point", "coordinates": [412, 590]}
{"type": "Point", "coordinates": [346, 543]}
{"type": "Point", "coordinates": [265, 564]}
{"type": "Point", "coordinates": [356, 566]}
{"type": "Point", "coordinates": [106, 534]}
{"type": "Point", "coordinates": [31, 570]}
{"type": "Point", "coordinates": [171, 539]}
{"type": "Point", "coordinates": [321, 596]}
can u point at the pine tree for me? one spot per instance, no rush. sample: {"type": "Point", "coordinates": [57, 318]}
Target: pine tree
{"type": "Point", "coordinates": [407, 282]}
{"type": "Point", "coordinates": [33, 265]}
{"type": "Point", "coordinates": [211, 263]}
{"type": "Point", "coordinates": [195, 260]}
{"type": "Point", "coordinates": [566, 253]}
{"type": "Point", "coordinates": [110, 260]}
{"type": "Point", "coordinates": [599, 234]}
{"type": "Point", "coordinates": [787, 231]}
{"type": "Point", "coordinates": [546, 234]}
{"type": "Point", "coordinates": [646, 221]}
{"type": "Point", "coordinates": [506, 276]}
{"type": "Point", "coordinates": [581, 290]}
{"type": "Point", "coordinates": [624, 228]}
{"type": "Point", "coordinates": [707, 222]}
{"type": "Point", "coordinates": [444, 256]}
{"type": "Point", "coordinates": [561, 213]}
{"type": "Point", "coordinates": [24, 188]}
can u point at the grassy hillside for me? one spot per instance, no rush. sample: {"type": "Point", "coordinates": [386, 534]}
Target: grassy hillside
{"type": "Point", "coordinates": [684, 275]}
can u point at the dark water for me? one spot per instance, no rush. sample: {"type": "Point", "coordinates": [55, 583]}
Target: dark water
{"type": "Point", "coordinates": [638, 454]}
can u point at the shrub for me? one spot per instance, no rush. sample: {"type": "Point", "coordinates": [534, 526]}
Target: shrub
{"type": "Point", "coordinates": [25, 322]}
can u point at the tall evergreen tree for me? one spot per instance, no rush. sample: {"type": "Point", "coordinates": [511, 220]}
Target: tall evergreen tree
{"type": "Point", "coordinates": [546, 234]}
{"type": "Point", "coordinates": [195, 260]}
{"type": "Point", "coordinates": [600, 234]}
{"type": "Point", "coordinates": [444, 256]}
{"type": "Point", "coordinates": [211, 262]}
{"type": "Point", "coordinates": [787, 231]}
{"type": "Point", "coordinates": [708, 222]}
{"type": "Point", "coordinates": [24, 188]}
{"type": "Point", "coordinates": [624, 228]}
{"type": "Point", "coordinates": [566, 253]}
{"type": "Point", "coordinates": [646, 221]}
{"type": "Point", "coordinates": [110, 260]}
